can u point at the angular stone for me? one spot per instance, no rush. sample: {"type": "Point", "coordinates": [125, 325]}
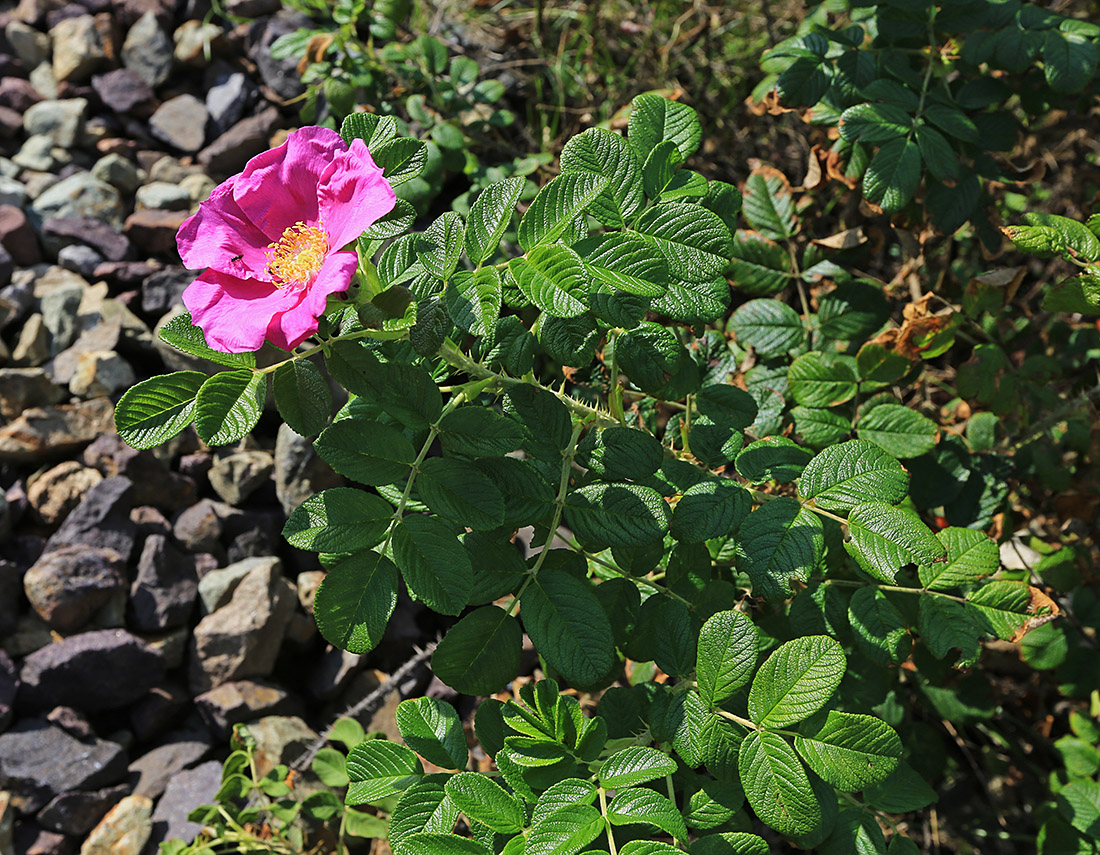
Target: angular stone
{"type": "Point", "coordinates": [31, 46]}
{"type": "Point", "coordinates": [164, 289]}
{"type": "Point", "coordinates": [73, 722]}
{"type": "Point", "coordinates": [124, 830]}
{"type": "Point", "coordinates": [153, 483]}
{"type": "Point", "coordinates": [164, 592]}
{"type": "Point", "coordinates": [118, 171]}
{"type": "Point", "coordinates": [58, 490]}
{"type": "Point", "coordinates": [102, 519]}
{"type": "Point", "coordinates": [157, 711]}
{"type": "Point", "coordinates": [151, 773]}
{"type": "Point", "coordinates": [237, 476]}
{"type": "Point", "coordinates": [101, 373]}
{"type": "Point", "coordinates": [154, 231]}
{"type": "Point", "coordinates": [37, 154]}
{"type": "Point", "coordinates": [43, 81]}
{"type": "Point", "coordinates": [59, 315]}
{"type": "Point", "coordinates": [147, 50]}
{"type": "Point", "coordinates": [33, 346]}
{"type": "Point", "coordinates": [216, 587]}
{"type": "Point", "coordinates": [185, 792]}
{"type": "Point", "coordinates": [328, 679]}
{"type": "Point", "coordinates": [199, 527]}
{"type": "Point", "coordinates": [227, 99]}
{"type": "Point", "coordinates": [18, 237]}
{"type": "Point", "coordinates": [61, 121]}
{"type": "Point", "coordinates": [100, 670]}
{"type": "Point", "coordinates": [39, 761]}
{"type": "Point", "coordinates": [194, 38]}
{"type": "Point", "coordinates": [109, 242]}
{"type": "Point", "coordinates": [79, 258]}
{"type": "Point", "coordinates": [243, 638]}
{"type": "Point", "coordinates": [44, 432]}
{"type": "Point", "coordinates": [229, 152]}
{"type": "Point", "coordinates": [280, 739]}
{"type": "Point", "coordinates": [21, 388]}
{"type": "Point", "coordinates": [79, 811]}
{"type": "Point", "coordinates": [243, 701]}
{"type": "Point", "coordinates": [77, 49]}
{"type": "Point", "coordinates": [9, 685]}
{"type": "Point", "coordinates": [162, 196]}
{"type": "Point", "coordinates": [198, 187]}
{"type": "Point", "coordinates": [18, 94]}
{"type": "Point", "coordinates": [103, 336]}
{"type": "Point", "coordinates": [280, 75]}
{"type": "Point", "coordinates": [67, 586]}
{"type": "Point", "coordinates": [123, 90]}
{"type": "Point", "coordinates": [180, 122]}
{"type": "Point", "coordinates": [7, 823]}
{"type": "Point", "coordinates": [80, 195]}
{"type": "Point", "coordinates": [299, 472]}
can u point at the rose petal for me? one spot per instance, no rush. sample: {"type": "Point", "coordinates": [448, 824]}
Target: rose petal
{"type": "Point", "coordinates": [220, 236]}
{"type": "Point", "coordinates": [278, 188]}
{"type": "Point", "coordinates": [234, 313]}
{"type": "Point", "coordinates": [353, 195]}
{"type": "Point", "coordinates": [298, 322]}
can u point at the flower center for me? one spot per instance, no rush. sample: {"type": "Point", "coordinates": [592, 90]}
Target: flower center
{"type": "Point", "coordinates": [297, 256]}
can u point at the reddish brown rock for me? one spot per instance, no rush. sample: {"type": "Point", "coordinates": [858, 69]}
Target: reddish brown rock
{"type": "Point", "coordinates": [232, 150]}
{"type": "Point", "coordinates": [18, 94]}
{"type": "Point", "coordinates": [154, 231]}
{"type": "Point", "coordinates": [17, 236]}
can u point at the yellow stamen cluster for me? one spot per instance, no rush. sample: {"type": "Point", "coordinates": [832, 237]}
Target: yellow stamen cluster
{"type": "Point", "coordinates": [297, 256]}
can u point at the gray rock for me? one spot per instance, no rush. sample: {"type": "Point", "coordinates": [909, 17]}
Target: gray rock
{"type": "Point", "coordinates": [306, 585]}
{"type": "Point", "coordinates": [9, 685]}
{"type": "Point", "coordinates": [164, 592]}
{"type": "Point", "coordinates": [151, 772]}
{"type": "Point", "coordinates": [61, 121]}
{"type": "Point", "coordinates": [161, 195]}
{"type": "Point", "coordinates": [154, 231]}
{"type": "Point", "coordinates": [194, 39]}
{"type": "Point", "coordinates": [42, 433]}
{"type": "Point", "coordinates": [96, 234]}
{"type": "Point", "coordinates": [40, 154]}
{"type": "Point", "coordinates": [198, 187]}
{"type": "Point", "coordinates": [77, 49]}
{"type": "Point", "coordinates": [227, 99]}
{"type": "Point", "coordinates": [67, 586]}
{"type": "Point", "coordinates": [153, 483]}
{"type": "Point", "coordinates": [100, 670]}
{"type": "Point", "coordinates": [101, 373]}
{"type": "Point", "coordinates": [11, 592]}
{"type": "Point", "coordinates": [42, 80]}
{"type": "Point", "coordinates": [21, 388]}
{"type": "Point", "coordinates": [81, 195]}
{"type": "Point", "coordinates": [38, 183]}
{"type": "Point", "coordinates": [280, 75]}
{"type": "Point", "coordinates": [216, 587]}
{"type": "Point", "coordinates": [79, 259]}
{"type": "Point", "coordinates": [169, 170]}
{"type": "Point", "coordinates": [329, 677]}
{"type": "Point", "coordinates": [243, 638]}
{"type": "Point", "coordinates": [103, 336]}
{"type": "Point", "coordinates": [180, 122]}
{"type": "Point", "coordinates": [33, 346]}
{"type": "Point", "coordinates": [158, 710]}
{"type": "Point", "coordinates": [124, 830]}
{"type": "Point", "coordinates": [31, 46]}
{"type": "Point", "coordinates": [237, 476]}
{"type": "Point", "coordinates": [12, 192]}
{"type": "Point", "coordinates": [243, 701]}
{"type": "Point", "coordinates": [79, 811]}
{"type": "Point", "coordinates": [186, 791]}
{"type": "Point", "coordinates": [230, 151]}
{"type": "Point", "coordinates": [164, 289]}
{"type": "Point", "coordinates": [118, 171]}
{"type": "Point", "coordinates": [102, 519]}
{"type": "Point", "coordinates": [123, 90]}
{"type": "Point", "coordinates": [147, 50]}
{"type": "Point", "coordinates": [39, 761]}
{"type": "Point", "coordinates": [280, 739]}
{"type": "Point", "coordinates": [58, 490]}
{"type": "Point", "coordinates": [299, 472]}
{"type": "Point", "coordinates": [59, 315]}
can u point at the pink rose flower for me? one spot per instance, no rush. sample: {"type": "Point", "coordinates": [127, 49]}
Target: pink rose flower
{"type": "Point", "coordinates": [271, 237]}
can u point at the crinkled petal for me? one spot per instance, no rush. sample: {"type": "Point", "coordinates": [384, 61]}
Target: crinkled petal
{"type": "Point", "coordinates": [234, 314]}
{"type": "Point", "coordinates": [278, 188]}
{"type": "Point", "coordinates": [219, 235]}
{"type": "Point", "coordinates": [353, 195]}
{"type": "Point", "coordinates": [298, 322]}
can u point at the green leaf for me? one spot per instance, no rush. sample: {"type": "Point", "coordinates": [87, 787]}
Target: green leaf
{"type": "Point", "coordinates": [484, 800]}
{"type": "Point", "coordinates": [845, 475]}
{"type": "Point", "coordinates": [401, 159]}
{"type": "Point", "coordinates": [372, 128]}
{"type": "Point", "coordinates": [358, 823]}
{"type": "Point", "coordinates": [528, 496]}
{"type": "Point", "coordinates": [155, 410]}
{"type": "Point", "coordinates": [970, 555]}
{"type": "Point", "coordinates": [441, 843]}
{"type": "Point", "coordinates": [874, 123]}
{"type": "Point", "coordinates": [794, 682]}
{"type": "Point", "coordinates": [475, 431]}
{"type": "Point", "coordinates": [852, 311]}
{"type": "Point", "coordinates": [605, 153]}
{"type": "Point", "coordinates": [480, 654]}
{"type": "Point", "coordinates": [569, 341]}
{"type": "Point", "coordinates": [565, 832]}
{"type": "Point", "coordinates": [554, 279]}
{"type": "Point", "coordinates": [937, 154]}
{"type": "Point", "coordinates": [353, 366]}
{"type": "Point", "coordinates": [355, 601]}
{"type": "Point", "coordinates": [726, 404]}
{"type": "Point", "coordinates": [617, 514]}
{"type": "Point", "coordinates": [568, 627]}
{"type": "Point", "coordinates": [893, 175]}
{"type": "Point", "coordinates": [378, 769]}
{"type": "Point", "coordinates": [366, 451]}
{"type": "Point", "coordinates": [769, 205]}
{"type": "Point", "coordinates": [571, 791]}
{"type": "Point", "coordinates": [779, 542]}
{"type": "Point", "coordinates": [774, 458]}
{"type": "Point", "coordinates": [473, 300]}
{"type": "Point", "coordinates": [850, 751]}
{"type": "Point", "coordinates": [877, 364]}
{"type": "Point", "coordinates": [902, 791]}
{"type": "Point", "coordinates": [952, 121]}
{"type": "Point", "coordinates": [422, 807]}
{"type": "Point", "coordinates": [1078, 294]}
{"type": "Point", "coordinates": [1003, 606]}
{"type": "Point", "coordinates": [228, 405]}
{"type": "Point", "coordinates": [649, 355]}
{"type": "Point", "coordinates": [441, 245]}
{"type": "Point", "coordinates": [432, 729]}
{"type": "Point", "coordinates": [776, 785]}
{"type": "Point", "coordinates": [302, 396]}
{"type": "Point", "coordinates": [879, 628]}
{"type": "Point", "coordinates": [338, 520]}
{"type": "Point", "coordinates": [1077, 238]}
{"type": "Point", "coordinates": [626, 261]}
{"type": "Point", "coordinates": [819, 379]}
{"type": "Point", "coordinates": [660, 168]}
{"type": "Point", "coordinates": [769, 327]}
{"type": "Point", "coordinates": [715, 445]}
{"type": "Point", "coordinates": [649, 847]}
{"type": "Point", "coordinates": [803, 82]}
{"type": "Point", "coordinates": [694, 242]}
{"type": "Point", "coordinates": [408, 393]}
{"type": "Point", "coordinates": [884, 539]}
{"type": "Point", "coordinates": [819, 426]}
{"type": "Point", "coordinates": [1079, 803]}
{"type": "Point", "coordinates": [728, 843]}
{"type": "Point", "coordinates": [1069, 60]}
{"type": "Point", "coordinates": [759, 267]}
{"type": "Point", "coordinates": [544, 418]}
{"type": "Point", "coordinates": [330, 766]}
{"type": "Point", "coordinates": [489, 218]}
{"type": "Point", "coordinates": [181, 334]}
{"type": "Point", "coordinates": [433, 563]}
{"type": "Point", "coordinates": [398, 221]}
{"type": "Point", "coordinates": [709, 509]}
{"type": "Point", "coordinates": [726, 656]}
{"type": "Point", "coordinates": [618, 453]}
{"type": "Point", "coordinates": [641, 805]}
{"type": "Point", "coordinates": [694, 302]}
{"type": "Point", "coordinates": [902, 432]}
{"type": "Point", "coordinates": [459, 491]}
{"type": "Point", "coordinates": [556, 206]}
{"type": "Point", "coordinates": [944, 624]}
{"type": "Point", "coordinates": [653, 119]}
{"type": "Point", "coordinates": [636, 764]}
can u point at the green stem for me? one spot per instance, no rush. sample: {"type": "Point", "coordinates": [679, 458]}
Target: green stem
{"type": "Point", "coordinates": [744, 722]}
{"type": "Point", "coordinates": [897, 589]}
{"type": "Point", "coordinates": [607, 823]}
